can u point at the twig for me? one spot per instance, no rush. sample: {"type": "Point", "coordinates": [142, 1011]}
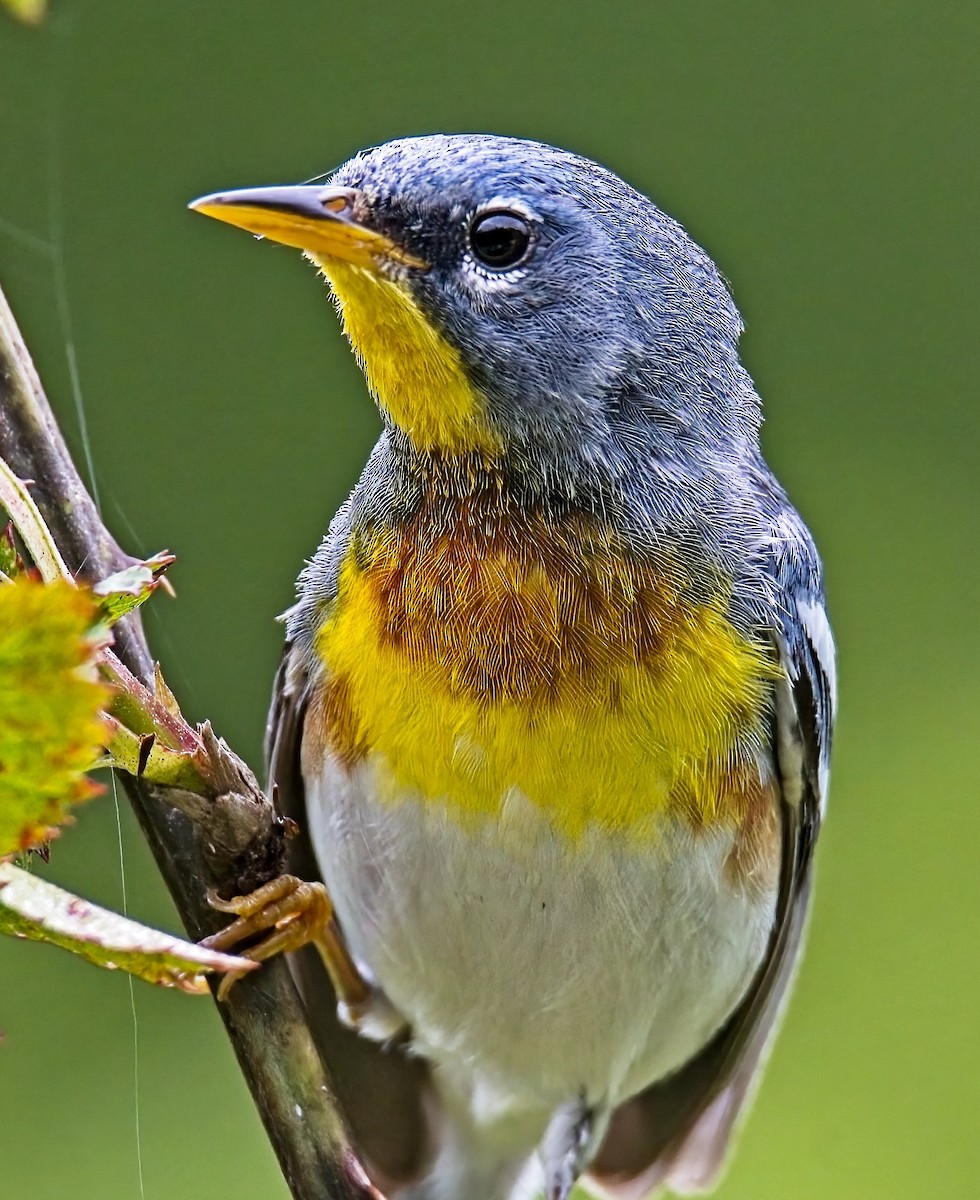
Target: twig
{"type": "Point", "coordinates": [230, 844]}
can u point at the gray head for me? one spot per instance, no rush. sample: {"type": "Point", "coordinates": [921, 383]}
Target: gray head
{"type": "Point", "coordinates": [511, 298]}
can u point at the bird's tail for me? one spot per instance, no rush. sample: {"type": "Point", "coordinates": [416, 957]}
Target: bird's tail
{"type": "Point", "coordinates": [508, 1153]}
{"type": "Point", "coordinates": [480, 1156]}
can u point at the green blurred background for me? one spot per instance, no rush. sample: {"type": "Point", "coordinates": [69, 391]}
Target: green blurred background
{"type": "Point", "coordinates": [826, 155]}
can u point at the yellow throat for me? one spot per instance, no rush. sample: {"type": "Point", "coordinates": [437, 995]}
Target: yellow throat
{"type": "Point", "coordinates": [414, 374]}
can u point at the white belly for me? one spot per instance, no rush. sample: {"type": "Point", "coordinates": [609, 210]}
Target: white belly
{"type": "Point", "coordinates": [539, 969]}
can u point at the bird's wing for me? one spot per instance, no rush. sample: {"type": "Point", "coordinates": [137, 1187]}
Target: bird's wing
{"type": "Point", "coordinates": [678, 1131]}
{"type": "Point", "coordinates": [283, 735]}
{"type": "Point", "coordinates": [380, 1090]}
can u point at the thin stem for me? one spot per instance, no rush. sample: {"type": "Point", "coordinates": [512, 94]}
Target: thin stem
{"type": "Point", "coordinates": [15, 498]}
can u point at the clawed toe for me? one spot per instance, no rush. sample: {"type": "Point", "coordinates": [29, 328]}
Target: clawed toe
{"type": "Point", "coordinates": [292, 913]}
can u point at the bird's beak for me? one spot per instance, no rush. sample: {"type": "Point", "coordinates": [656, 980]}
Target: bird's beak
{"type": "Point", "coordinates": [316, 219]}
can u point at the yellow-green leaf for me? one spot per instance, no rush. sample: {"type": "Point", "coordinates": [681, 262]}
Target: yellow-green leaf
{"type": "Point", "coordinates": [33, 908]}
{"type": "Point", "coordinates": [31, 12]}
{"type": "Point", "coordinates": [50, 699]}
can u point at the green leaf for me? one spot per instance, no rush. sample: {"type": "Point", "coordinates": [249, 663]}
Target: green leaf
{"type": "Point", "coordinates": [50, 701]}
{"type": "Point", "coordinates": [33, 908]}
{"type": "Point", "coordinates": [127, 589]}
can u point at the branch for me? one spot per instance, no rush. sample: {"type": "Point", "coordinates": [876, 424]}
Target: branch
{"type": "Point", "coordinates": [231, 844]}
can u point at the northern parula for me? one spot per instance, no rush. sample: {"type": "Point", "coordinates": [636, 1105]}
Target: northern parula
{"type": "Point", "coordinates": [559, 683]}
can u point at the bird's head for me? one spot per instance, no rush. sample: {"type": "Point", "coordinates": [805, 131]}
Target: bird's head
{"type": "Point", "coordinates": [504, 297]}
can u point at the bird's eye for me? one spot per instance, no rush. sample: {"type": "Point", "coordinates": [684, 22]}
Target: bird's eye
{"type": "Point", "coordinates": [500, 239]}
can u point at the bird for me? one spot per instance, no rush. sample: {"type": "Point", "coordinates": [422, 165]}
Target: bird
{"type": "Point", "coordinates": [557, 696]}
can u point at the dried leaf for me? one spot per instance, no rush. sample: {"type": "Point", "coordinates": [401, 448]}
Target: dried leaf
{"type": "Point", "coordinates": [33, 908]}
{"type": "Point", "coordinates": [50, 699]}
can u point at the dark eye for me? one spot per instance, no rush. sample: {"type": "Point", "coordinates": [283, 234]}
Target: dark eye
{"type": "Point", "coordinates": [500, 239]}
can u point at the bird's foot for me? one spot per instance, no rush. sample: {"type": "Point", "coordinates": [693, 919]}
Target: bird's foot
{"type": "Point", "coordinates": [292, 913]}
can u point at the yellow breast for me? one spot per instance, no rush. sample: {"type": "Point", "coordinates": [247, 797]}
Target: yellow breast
{"type": "Point", "coordinates": [470, 659]}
